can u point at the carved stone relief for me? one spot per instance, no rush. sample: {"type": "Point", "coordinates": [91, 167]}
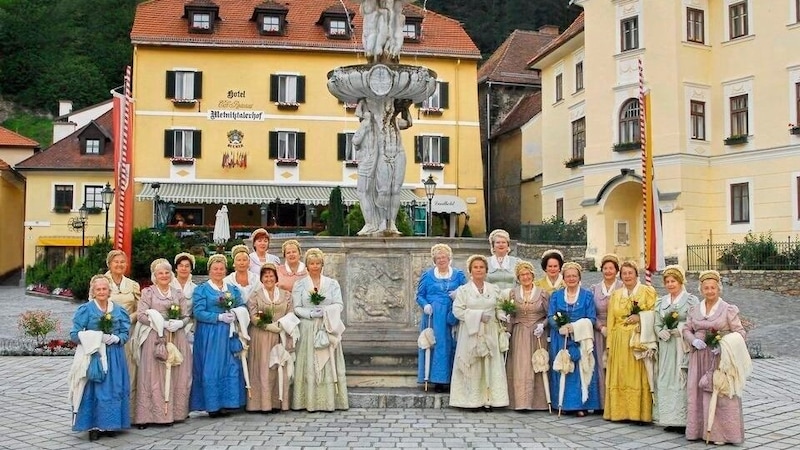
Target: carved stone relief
{"type": "Point", "coordinates": [379, 290]}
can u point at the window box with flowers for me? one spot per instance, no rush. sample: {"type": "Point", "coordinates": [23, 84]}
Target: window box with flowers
{"type": "Point", "coordinates": [286, 162]}
{"type": "Point", "coordinates": [287, 106]}
{"type": "Point", "coordinates": [794, 129]}
{"type": "Point", "coordinates": [433, 166]}
{"type": "Point", "coordinates": [627, 146]}
{"type": "Point", "coordinates": [573, 162]}
{"type": "Point", "coordinates": [62, 209]}
{"type": "Point", "coordinates": [184, 102]}
{"type": "Point", "coordinates": [94, 210]}
{"type": "Point", "coordinates": [736, 139]}
{"type": "Point", "coordinates": [351, 164]}
{"type": "Point", "coordinates": [182, 161]}
{"type": "Point", "coordinates": [431, 111]}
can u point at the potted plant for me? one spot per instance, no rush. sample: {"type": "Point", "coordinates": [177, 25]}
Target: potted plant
{"type": "Point", "coordinates": [736, 139]}
{"type": "Point", "coordinates": [794, 129]}
{"type": "Point", "coordinates": [625, 146]}
{"type": "Point", "coordinates": [573, 162]}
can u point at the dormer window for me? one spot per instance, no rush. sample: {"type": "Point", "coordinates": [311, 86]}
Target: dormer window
{"type": "Point", "coordinates": [337, 22]}
{"type": "Point", "coordinates": [92, 147]}
{"type": "Point", "coordinates": [270, 18]}
{"type": "Point", "coordinates": [201, 15]}
{"type": "Point", "coordinates": [93, 139]}
{"type": "Point", "coordinates": [412, 27]}
{"type": "Point", "coordinates": [337, 27]}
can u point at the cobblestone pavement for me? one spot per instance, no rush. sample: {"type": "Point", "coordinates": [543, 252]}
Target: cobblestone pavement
{"type": "Point", "coordinates": [35, 414]}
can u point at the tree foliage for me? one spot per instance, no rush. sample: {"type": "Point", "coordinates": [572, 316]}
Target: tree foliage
{"type": "Point", "coordinates": [336, 213]}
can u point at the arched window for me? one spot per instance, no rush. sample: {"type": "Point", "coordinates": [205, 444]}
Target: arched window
{"type": "Point", "coordinates": [629, 122]}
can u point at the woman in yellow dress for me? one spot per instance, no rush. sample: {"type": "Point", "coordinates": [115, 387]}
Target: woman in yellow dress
{"type": "Point", "coordinates": [552, 260]}
{"type": "Point", "coordinates": [628, 395]}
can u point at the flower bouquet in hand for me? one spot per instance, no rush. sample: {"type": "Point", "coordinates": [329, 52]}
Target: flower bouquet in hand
{"type": "Point", "coordinates": [561, 318]}
{"type": "Point", "coordinates": [105, 323]}
{"type": "Point", "coordinates": [226, 301]}
{"type": "Point", "coordinates": [635, 309]}
{"type": "Point", "coordinates": [315, 297]}
{"type": "Point", "coordinates": [507, 305]}
{"type": "Point", "coordinates": [263, 318]}
{"type": "Point", "coordinates": [174, 312]}
{"type": "Point", "coordinates": [712, 338]}
{"type": "Point", "coordinates": [671, 319]}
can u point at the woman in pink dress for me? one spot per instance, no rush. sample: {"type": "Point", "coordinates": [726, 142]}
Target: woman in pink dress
{"type": "Point", "coordinates": [292, 269]}
{"type": "Point", "coordinates": [157, 330]}
{"type": "Point", "coordinates": [712, 313]}
{"type": "Point", "coordinates": [609, 266]}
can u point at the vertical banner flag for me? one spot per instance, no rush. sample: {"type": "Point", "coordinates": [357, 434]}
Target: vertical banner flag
{"type": "Point", "coordinates": [123, 155]}
{"type": "Point", "coordinates": [651, 213]}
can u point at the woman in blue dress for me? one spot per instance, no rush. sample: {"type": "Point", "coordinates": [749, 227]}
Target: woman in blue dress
{"type": "Point", "coordinates": [217, 377]}
{"type": "Point", "coordinates": [105, 405]}
{"type": "Point", "coordinates": [577, 303]}
{"type": "Point", "coordinates": [435, 292]}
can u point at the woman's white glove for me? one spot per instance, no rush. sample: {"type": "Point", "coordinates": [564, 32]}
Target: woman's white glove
{"type": "Point", "coordinates": [698, 344]}
{"type": "Point", "coordinates": [226, 317]}
{"type": "Point", "coordinates": [715, 351]}
{"type": "Point", "coordinates": [174, 325]}
{"type": "Point", "coordinates": [190, 337]}
{"type": "Point", "coordinates": [503, 316]}
{"type": "Point", "coordinates": [110, 339]}
{"type": "Point", "coordinates": [564, 330]}
{"type": "Point", "coordinates": [316, 313]}
{"type": "Point", "coordinates": [486, 317]}
{"type": "Point", "coordinates": [539, 330]}
{"type": "Point", "coordinates": [604, 331]}
{"type": "Point", "coordinates": [664, 335]}
{"type": "Point", "coordinates": [427, 309]}
{"type": "Point", "coordinates": [273, 328]}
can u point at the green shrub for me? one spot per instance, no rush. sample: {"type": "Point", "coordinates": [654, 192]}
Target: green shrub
{"type": "Point", "coordinates": [336, 225]}
{"type": "Point", "coordinates": [62, 274]}
{"type": "Point", "coordinates": [200, 265]}
{"type": "Point", "coordinates": [37, 273]}
{"type": "Point", "coordinates": [466, 232]}
{"type": "Point", "coordinates": [355, 219]}
{"type": "Point", "coordinates": [403, 223]}
{"type": "Point", "coordinates": [149, 245]}
{"type": "Point", "coordinates": [82, 273]}
{"type": "Point", "coordinates": [555, 231]}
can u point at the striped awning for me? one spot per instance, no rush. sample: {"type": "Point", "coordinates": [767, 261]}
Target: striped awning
{"type": "Point", "coordinates": [255, 194]}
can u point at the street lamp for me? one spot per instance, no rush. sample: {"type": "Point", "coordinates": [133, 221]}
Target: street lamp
{"type": "Point", "coordinates": [108, 196]}
{"type": "Point", "coordinates": [156, 199]}
{"type": "Point", "coordinates": [430, 190]}
{"type": "Point", "coordinates": [83, 213]}
{"type": "Point", "coordinates": [297, 212]}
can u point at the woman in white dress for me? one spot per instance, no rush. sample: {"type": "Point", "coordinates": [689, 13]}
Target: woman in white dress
{"type": "Point", "coordinates": [242, 277]}
{"type": "Point", "coordinates": [479, 375]}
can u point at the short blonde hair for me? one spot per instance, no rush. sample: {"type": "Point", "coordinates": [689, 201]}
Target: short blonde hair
{"type": "Point", "coordinates": [93, 282]}
{"type": "Point", "coordinates": [217, 258]}
{"type": "Point", "coordinates": [710, 275]}
{"type": "Point", "coordinates": [632, 264]}
{"type": "Point", "coordinates": [160, 263]}
{"type": "Point", "coordinates": [240, 248]}
{"type": "Point", "coordinates": [288, 243]}
{"type": "Point", "coordinates": [674, 271]}
{"type": "Point", "coordinates": [498, 233]}
{"type": "Point", "coordinates": [524, 265]}
{"type": "Point", "coordinates": [113, 254]}
{"type": "Point", "coordinates": [474, 258]}
{"type": "Point", "coordinates": [441, 248]}
{"type": "Point", "coordinates": [315, 254]}
{"type": "Point", "coordinates": [572, 265]}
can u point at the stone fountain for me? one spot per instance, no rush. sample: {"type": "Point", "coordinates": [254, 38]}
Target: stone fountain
{"type": "Point", "coordinates": [382, 90]}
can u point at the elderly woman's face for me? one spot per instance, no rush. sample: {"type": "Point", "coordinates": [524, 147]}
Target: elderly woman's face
{"type": "Point", "coordinates": [710, 289]}
{"type": "Point", "coordinates": [261, 243]}
{"type": "Point", "coordinates": [629, 276]}
{"type": "Point", "coordinates": [184, 268]}
{"type": "Point", "coordinates": [441, 260]}
{"type": "Point", "coordinates": [673, 285]}
{"type": "Point", "coordinates": [217, 271]}
{"type": "Point", "coordinates": [269, 279]}
{"type": "Point", "coordinates": [101, 290]}
{"type": "Point", "coordinates": [478, 270]}
{"type": "Point", "coordinates": [291, 254]}
{"type": "Point", "coordinates": [118, 265]}
{"type": "Point", "coordinates": [553, 268]}
{"type": "Point", "coordinates": [500, 246]}
{"type": "Point", "coordinates": [525, 278]}
{"type": "Point", "coordinates": [163, 276]}
{"type": "Point", "coordinates": [572, 277]}
{"type": "Point", "coordinates": [241, 263]}
{"type": "Point", "coordinates": [609, 270]}
{"type": "Point", "coordinates": [314, 266]}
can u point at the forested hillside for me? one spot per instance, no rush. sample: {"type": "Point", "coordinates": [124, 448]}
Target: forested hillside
{"type": "Point", "coordinates": [78, 49]}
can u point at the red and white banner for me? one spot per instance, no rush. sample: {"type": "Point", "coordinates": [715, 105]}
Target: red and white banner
{"type": "Point", "coordinates": [123, 157]}
{"type": "Point", "coordinates": [651, 213]}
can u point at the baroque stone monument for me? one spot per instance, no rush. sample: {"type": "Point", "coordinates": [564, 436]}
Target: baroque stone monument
{"type": "Point", "coordinates": [382, 90]}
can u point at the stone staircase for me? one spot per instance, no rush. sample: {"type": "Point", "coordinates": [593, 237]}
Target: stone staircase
{"type": "Point", "coordinates": [388, 398]}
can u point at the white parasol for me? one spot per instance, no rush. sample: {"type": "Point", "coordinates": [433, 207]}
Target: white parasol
{"type": "Point", "coordinates": [426, 341]}
{"type": "Point", "coordinates": [222, 226]}
{"type": "Point", "coordinates": [541, 364]}
{"type": "Point", "coordinates": [174, 358]}
{"type": "Point", "coordinates": [564, 365]}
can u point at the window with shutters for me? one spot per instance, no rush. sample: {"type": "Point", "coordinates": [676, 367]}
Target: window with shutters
{"type": "Point", "coordinates": [346, 150]}
{"type": "Point", "coordinates": [184, 87]}
{"type": "Point", "coordinates": [63, 197]}
{"type": "Point", "coordinates": [182, 146]}
{"type": "Point", "coordinates": [286, 147]}
{"type": "Point", "coordinates": [437, 101]}
{"type": "Point", "coordinates": [433, 152]}
{"type": "Point", "coordinates": [287, 91]}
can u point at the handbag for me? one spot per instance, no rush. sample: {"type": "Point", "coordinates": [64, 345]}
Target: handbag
{"type": "Point", "coordinates": [503, 341]}
{"type": "Point", "coordinates": [160, 351]}
{"type": "Point", "coordinates": [234, 344]}
{"type": "Point", "coordinates": [321, 340]}
{"type": "Point", "coordinates": [95, 371]}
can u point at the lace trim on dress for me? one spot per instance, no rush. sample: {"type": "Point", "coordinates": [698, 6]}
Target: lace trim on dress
{"type": "Point", "coordinates": [446, 276]}
{"type": "Point", "coordinates": [607, 292]}
{"type": "Point", "coordinates": [559, 281]}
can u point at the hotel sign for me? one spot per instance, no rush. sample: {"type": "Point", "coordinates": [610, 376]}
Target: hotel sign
{"type": "Point", "coordinates": [242, 116]}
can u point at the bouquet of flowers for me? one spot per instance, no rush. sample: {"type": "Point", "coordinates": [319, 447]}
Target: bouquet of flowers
{"type": "Point", "coordinates": [174, 312]}
{"type": "Point", "coordinates": [671, 320]}
{"type": "Point", "coordinates": [712, 338]}
{"type": "Point", "coordinates": [105, 323]}
{"type": "Point", "coordinates": [315, 297]}
{"type": "Point", "coordinates": [635, 308]}
{"type": "Point", "coordinates": [507, 305]}
{"type": "Point", "coordinates": [561, 318]}
{"type": "Point", "coordinates": [226, 301]}
{"type": "Point", "coordinates": [263, 318]}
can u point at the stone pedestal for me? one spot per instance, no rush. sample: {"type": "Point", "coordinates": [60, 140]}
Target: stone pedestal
{"type": "Point", "coordinates": [379, 286]}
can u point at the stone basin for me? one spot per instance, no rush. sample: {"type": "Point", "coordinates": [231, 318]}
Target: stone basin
{"type": "Point", "coordinates": [394, 81]}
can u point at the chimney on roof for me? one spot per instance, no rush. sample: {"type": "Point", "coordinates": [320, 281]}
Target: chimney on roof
{"type": "Point", "coordinates": [64, 107]}
{"type": "Point", "coordinates": [551, 30]}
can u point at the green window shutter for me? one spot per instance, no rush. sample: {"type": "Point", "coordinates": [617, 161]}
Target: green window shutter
{"type": "Point", "coordinates": [273, 90]}
{"type": "Point", "coordinates": [341, 146]}
{"type": "Point", "coordinates": [444, 95]}
{"type": "Point", "coordinates": [198, 85]}
{"type": "Point", "coordinates": [445, 150]}
{"type": "Point", "coordinates": [197, 145]}
{"type": "Point", "coordinates": [169, 143]}
{"type": "Point", "coordinates": [273, 145]}
{"type": "Point", "coordinates": [170, 84]}
{"type": "Point", "coordinates": [417, 149]}
{"type": "Point", "coordinates": [301, 89]}
{"type": "Point", "coordinates": [301, 146]}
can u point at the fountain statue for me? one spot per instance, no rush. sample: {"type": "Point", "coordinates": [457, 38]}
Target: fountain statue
{"type": "Point", "coordinates": [382, 90]}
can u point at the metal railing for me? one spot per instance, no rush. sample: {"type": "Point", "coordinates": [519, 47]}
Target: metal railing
{"type": "Point", "coordinates": [756, 253]}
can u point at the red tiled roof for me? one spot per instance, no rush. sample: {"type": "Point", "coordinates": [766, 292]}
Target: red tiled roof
{"type": "Point", "coordinates": [575, 28]}
{"type": "Point", "coordinates": [10, 139]}
{"type": "Point", "coordinates": [509, 63]}
{"type": "Point", "coordinates": [66, 153]}
{"type": "Point", "coordinates": [159, 22]}
{"type": "Point", "coordinates": [526, 108]}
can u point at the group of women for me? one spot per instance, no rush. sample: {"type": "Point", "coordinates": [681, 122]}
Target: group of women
{"type": "Point", "coordinates": [497, 337]}
{"type": "Point", "coordinates": [263, 338]}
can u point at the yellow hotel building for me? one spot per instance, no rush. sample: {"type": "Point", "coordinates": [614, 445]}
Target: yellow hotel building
{"type": "Point", "coordinates": [231, 107]}
{"type": "Point", "coordinates": [724, 83]}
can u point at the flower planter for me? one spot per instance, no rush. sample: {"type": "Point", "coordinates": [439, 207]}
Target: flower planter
{"type": "Point", "coordinates": [182, 161]}
{"type": "Point", "coordinates": [627, 146]}
{"type": "Point", "coordinates": [574, 162]}
{"type": "Point", "coordinates": [736, 140]}
{"type": "Point", "coordinates": [795, 131]}
{"type": "Point", "coordinates": [183, 103]}
{"type": "Point", "coordinates": [351, 164]}
{"type": "Point", "coordinates": [286, 162]}
{"type": "Point", "coordinates": [287, 106]}
{"type": "Point", "coordinates": [433, 166]}
{"type": "Point", "coordinates": [62, 210]}
{"type": "Point", "coordinates": [432, 111]}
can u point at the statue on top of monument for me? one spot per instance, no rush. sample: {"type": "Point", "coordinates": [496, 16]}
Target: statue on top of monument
{"type": "Point", "coordinates": [382, 34]}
